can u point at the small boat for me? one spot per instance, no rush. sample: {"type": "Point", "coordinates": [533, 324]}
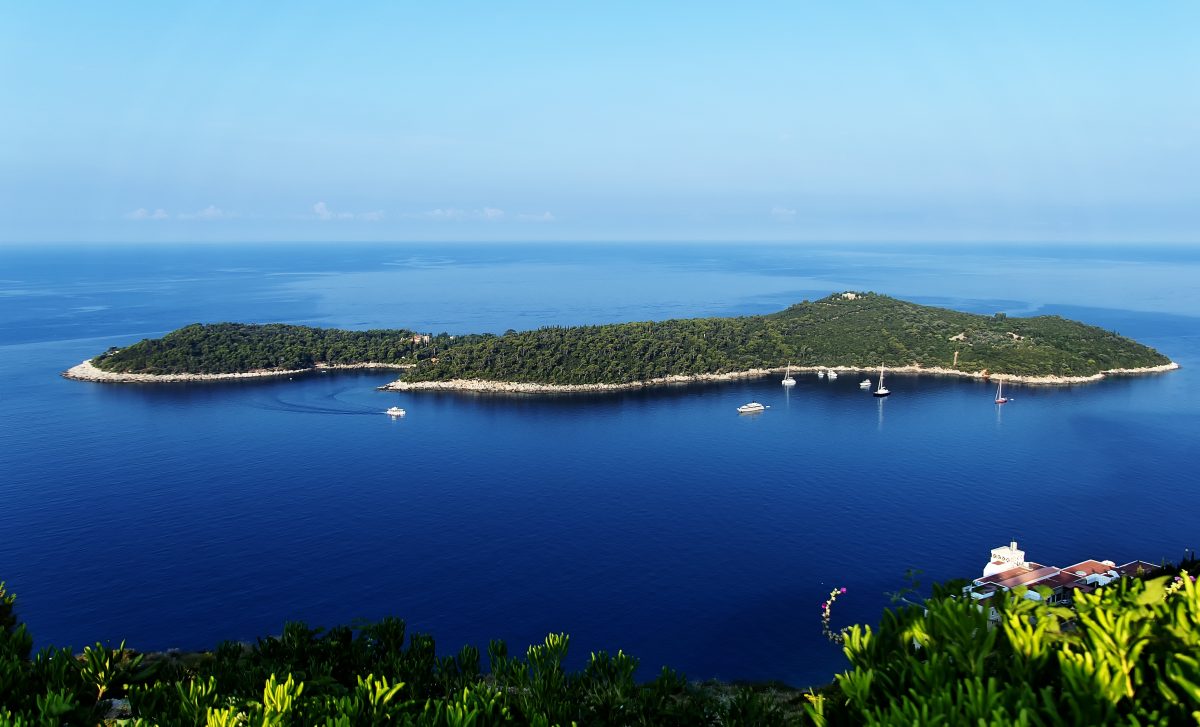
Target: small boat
{"type": "Point", "coordinates": [832, 374]}
{"type": "Point", "coordinates": [881, 391]}
{"type": "Point", "coordinates": [752, 408]}
{"type": "Point", "coordinates": [395, 411]}
{"type": "Point", "coordinates": [787, 377]}
{"type": "Point", "coordinates": [820, 373]}
{"type": "Point", "coordinates": [864, 384]}
{"type": "Point", "coordinates": [1000, 398]}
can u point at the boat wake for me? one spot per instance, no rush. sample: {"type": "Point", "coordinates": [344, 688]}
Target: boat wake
{"type": "Point", "coordinates": [328, 405]}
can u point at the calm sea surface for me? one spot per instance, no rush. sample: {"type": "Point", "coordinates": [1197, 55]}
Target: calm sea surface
{"type": "Point", "coordinates": [659, 522]}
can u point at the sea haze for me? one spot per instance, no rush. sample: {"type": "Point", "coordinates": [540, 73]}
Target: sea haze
{"type": "Point", "coordinates": [659, 522]}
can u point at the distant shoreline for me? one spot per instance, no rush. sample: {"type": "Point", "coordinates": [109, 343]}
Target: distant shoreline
{"type": "Point", "coordinates": [514, 387]}
{"type": "Point", "coordinates": [86, 371]}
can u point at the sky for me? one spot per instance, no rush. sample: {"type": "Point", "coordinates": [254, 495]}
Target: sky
{"type": "Point", "coordinates": [1022, 121]}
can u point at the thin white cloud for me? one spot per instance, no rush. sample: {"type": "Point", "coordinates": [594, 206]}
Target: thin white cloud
{"type": "Point", "coordinates": [448, 213]}
{"type": "Point", "coordinates": [141, 213]}
{"type": "Point", "coordinates": [211, 212]}
{"type": "Point", "coordinates": [323, 212]}
{"type": "Point", "coordinates": [783, 213]}
{"type": "Point", "coordinates": [488, 214]}
{"type": "Point", "coordinates": [543, 217]}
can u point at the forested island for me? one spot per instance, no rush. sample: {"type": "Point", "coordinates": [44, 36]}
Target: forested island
{"type": "Point", "coordinates": [844, 331]}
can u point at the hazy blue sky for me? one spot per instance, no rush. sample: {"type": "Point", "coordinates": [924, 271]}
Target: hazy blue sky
{"type": "Point", "coordinates": [480, 121]}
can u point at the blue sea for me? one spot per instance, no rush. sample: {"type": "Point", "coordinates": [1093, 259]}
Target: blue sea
{"type": "Point", "coordinates": [658, 522]}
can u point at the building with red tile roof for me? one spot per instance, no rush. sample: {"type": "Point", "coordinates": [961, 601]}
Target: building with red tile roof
{"type": "Point", "coordinates": [1007, 569]}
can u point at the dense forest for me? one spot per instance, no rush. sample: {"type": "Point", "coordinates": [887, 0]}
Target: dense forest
{"type": "Point", "coordinates": [1126, 654]}
{"type": "Point", "coordinates": [237, 348]}
{"type": "Point", "coordinates": [857, 330]}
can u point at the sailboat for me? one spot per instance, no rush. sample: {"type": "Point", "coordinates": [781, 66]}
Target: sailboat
{"type": "Point", "coordinates": [1000, 398]}
{"type": "Point", "coordinates": [881, 391]}
{"type": "Point", "coordinates": [831, 375]}
{"type": "Point", "coordinates": [787, 376]}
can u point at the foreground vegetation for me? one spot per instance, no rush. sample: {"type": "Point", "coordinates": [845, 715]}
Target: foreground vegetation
{"type": "Point", "coordinates": [369, 676]}
{"type": "Point", "coordinates": [865, 330]}
{"type": "Point", "coordinates": [1128, 654]}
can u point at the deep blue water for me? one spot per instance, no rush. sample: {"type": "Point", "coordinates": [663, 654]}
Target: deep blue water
{"type": "Point", "coordinates": [658, 522]}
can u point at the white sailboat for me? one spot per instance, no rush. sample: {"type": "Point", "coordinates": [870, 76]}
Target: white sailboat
{"type": "Point", "coordinates": [880, 391]}
{"type": "Point", "coordinates": [1000, 398]}
{"type": "Point", "coordinates": [787, 376]}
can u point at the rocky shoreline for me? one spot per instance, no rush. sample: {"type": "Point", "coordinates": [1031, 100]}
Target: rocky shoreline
{"type": "Point", "coordinates": [86, 371]}
{"type": "Point", "coordinates": [513, 387]}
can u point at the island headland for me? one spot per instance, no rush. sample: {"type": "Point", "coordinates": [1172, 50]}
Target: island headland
{"type": "Point", "coordinates": [845, 332]}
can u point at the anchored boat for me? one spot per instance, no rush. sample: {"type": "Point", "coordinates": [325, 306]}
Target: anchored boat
{"type": "Point", "coordinates": [881, 391]}
{"type": "Point", "coordinates": [787, 376]}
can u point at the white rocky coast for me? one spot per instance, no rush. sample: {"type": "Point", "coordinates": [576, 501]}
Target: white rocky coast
{"type": "Point", "coordinates": [87, 372]}
{"type": "Point", "coordinates": [513, 387]}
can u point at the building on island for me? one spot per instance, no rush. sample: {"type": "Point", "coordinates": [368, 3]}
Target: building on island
{"type": "Point", "coordinates": [1008, 569]}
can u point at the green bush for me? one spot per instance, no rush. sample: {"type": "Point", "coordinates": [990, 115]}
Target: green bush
{"type": "Point", "coordinates": [1127, 654]}
{"type": "Point", "coordinates": [346, 678]}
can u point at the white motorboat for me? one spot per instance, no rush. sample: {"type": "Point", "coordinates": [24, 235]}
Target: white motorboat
{"type": "Point", "coordinates": [832, 374]}
{"type": "Point", "coordinates": [395, 411]}
{"type": "Point", "coordinates": [787, 377]}
{"type": "Point", "coordinates": [881, 391]}
{"type": "Point", "coordinates": [864, 384]}
{"type": "Point", "coordinates": [752, 408]}
{"type": "Point", "coordinates": [820, 373]}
